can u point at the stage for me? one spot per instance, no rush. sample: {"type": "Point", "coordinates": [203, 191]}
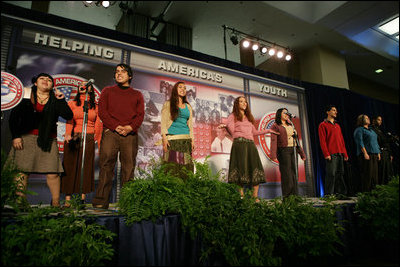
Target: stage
{"type": "Point", "coordinates": [163, 242]}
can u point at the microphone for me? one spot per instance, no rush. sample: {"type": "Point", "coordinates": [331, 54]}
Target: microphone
{"type": "Point", "coordinates": [291, 115]}
{"type": "Point", "coordinates": [88, 84]}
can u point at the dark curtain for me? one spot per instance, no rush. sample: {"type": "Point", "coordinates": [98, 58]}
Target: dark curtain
{"type": "Point", "coordinates": [349, 106]}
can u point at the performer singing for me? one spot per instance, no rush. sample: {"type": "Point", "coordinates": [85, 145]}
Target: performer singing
{"type": "Point", "coordinates": [73, 139]}
{"type": "Point", "coordinates": [245, 167]}
{"type": "Point", "coordinates": [33, 125]}
{"type": "Point", "coordinates": [283, 149]}
{"type": "Point", "coordinates": [177, 130]}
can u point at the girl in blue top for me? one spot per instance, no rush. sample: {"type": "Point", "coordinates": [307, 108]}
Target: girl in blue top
{"type": "Point", "coordinates": [368, 153]}
{"type": "Point", "coordinates": [177, 131]}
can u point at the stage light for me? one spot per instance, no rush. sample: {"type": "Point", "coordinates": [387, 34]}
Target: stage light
{"type": "Point", "coordinates": [256, 43]}
{"type": "Point", "coordinates": [255, 47]}
{"type": "Point", "coordinates": [87, 3]}
{"type": "Point", "coordinates": [263, 49]}
{"type": "Point", "coordinates": [271, 52]}
{"type": "Point", "coordinates": [234, 39]}
{"type": "Point", "coordinates": [105, 3]}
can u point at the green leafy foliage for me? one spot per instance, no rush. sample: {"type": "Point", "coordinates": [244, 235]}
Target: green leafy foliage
{"type": "Point", "coordinates": [42, 239]}
{"type": "Point", "coordinates": [9, 186]}
{"type": "Point", "coordinates": [378, 211]}
{"type": "Point", "coordinates": [243, 231]}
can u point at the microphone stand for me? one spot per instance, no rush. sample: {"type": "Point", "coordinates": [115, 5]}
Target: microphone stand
{"type": "Point", "coordinates": [296, 143]}
{"type": "Point", "coordinates": [83, 138]}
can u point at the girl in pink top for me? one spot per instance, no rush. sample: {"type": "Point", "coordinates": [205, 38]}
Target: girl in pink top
{"type": "Point", "coordinates": [245, 168]}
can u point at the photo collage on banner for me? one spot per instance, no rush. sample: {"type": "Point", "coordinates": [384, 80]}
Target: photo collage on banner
{"type": "Point", "coordinates": [208, 113]}
{"type": "Point", "coordinates": [211, 92]}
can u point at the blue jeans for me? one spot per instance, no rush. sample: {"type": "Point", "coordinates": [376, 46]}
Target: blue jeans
{"type": "Point", "coordinates": [334, 179]}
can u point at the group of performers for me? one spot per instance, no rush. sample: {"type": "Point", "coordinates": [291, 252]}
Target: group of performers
{"type": "Point", "coordinates": [114, 123]}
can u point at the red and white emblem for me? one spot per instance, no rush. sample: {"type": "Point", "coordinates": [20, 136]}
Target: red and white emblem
{"type": "Point", "coordinates": [265, 140]}
{"type": "Point", "coordinates": [68, 85]}
{"type": "Point", "coordinates": [12, 91]}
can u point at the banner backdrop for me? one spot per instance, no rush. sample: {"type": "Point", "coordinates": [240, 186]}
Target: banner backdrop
{"type": "Point", "coordinates": [211, 90]}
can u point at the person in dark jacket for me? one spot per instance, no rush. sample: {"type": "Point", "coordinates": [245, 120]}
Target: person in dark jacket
{"type": "Point", "coordinates": [282, 149]}
{"type": "Point", "coordinates": [33, 126]}
{"type": "Point", "coordinates": [385, 167]}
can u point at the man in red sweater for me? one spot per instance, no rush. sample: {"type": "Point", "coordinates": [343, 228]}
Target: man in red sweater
{"type": "Point", "coordinates": [334, 150]}
{"type": "Point", "coordinates": [121, 109]}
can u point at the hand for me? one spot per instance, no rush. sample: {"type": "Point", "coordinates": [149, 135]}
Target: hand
{"type": "Point", "coordinates": [379, 156]}
{"type": "Point", "coordinates": [366, 156]}
{"type": "Point", "coordinates": [328, 158]}
{"type": "Point", "coordinates": [165, 145]}
{"type": "Point", "coordinates": [273, 132]}
{"type": "Point", "coordinates": [17, 144]}
{"type": "Point", "coordinates": [346, 158]}
{"type": "Point", "coordinates": [391, 158]}
{"type": "Point", "coordinates": [126, 130]}
{"type": "Point", "coordinates": [119, 129]}
{"type": "Point", "coordinates": [274, 159]}
{"type": "Point", "coordinates": [58, 94]}
{"type": "Point", "coordinates": [67, 138]}
{"type": "Point", "coordinates": [304, 158]}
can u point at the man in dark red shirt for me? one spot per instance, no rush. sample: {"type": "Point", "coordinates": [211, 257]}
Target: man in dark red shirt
{"type": "Point", "coordinates": [121, 109]}
{"type": "Point", "coordinates": [334, 151]}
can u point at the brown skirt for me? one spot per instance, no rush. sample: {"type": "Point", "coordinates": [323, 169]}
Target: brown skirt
{"type": "Point", "coordinates": [71, 178]}
{"type": "Point", "coordinates": [32, 159]}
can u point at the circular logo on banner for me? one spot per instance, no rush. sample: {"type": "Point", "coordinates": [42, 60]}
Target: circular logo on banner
{"type": "Point", "coordinates": [12, 91]}
{"type": "Point", "coordinates": [265, 140]}
{"type": "Point", "coordinates": [68, 85]}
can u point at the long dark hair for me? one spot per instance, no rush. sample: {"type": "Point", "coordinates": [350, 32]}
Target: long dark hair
{"type": "Point", "coordinates": [174, 100]}
{"type": "Point", "coordinates": [278, 116]}
{"type": "Point", "coordinates": [236, 111]}
{"type": "Point", "coordinates": [92, 97]}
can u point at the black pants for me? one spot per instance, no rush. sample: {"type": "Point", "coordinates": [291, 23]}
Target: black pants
{"type": "Point", "coordinates": [385, 168]}
{"type": "Point", "coordinates": [368, 171]}
{"type": "Point", "coordinates": [334, 179]}
{"type": "Point", "coordinates": [287, 167]}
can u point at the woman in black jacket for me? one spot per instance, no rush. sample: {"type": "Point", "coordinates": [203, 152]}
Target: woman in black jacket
{"type": "Point", "coordinates": [33, 126]}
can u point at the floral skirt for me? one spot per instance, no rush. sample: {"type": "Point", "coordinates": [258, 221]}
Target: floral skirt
{"type": "Point", "coordinates": [179, 157]}
{"type": "Point", "coordinates": [245, 167]}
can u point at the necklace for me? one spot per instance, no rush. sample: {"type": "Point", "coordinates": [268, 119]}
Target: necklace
{"type": "Point", "coordinates": [41, 100]}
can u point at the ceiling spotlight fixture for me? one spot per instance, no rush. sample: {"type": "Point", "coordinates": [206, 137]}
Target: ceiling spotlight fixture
{"type": "Point", "coordinates": [246, 43]}
{"type": "Point", "coordinates": [87, 3]}
{"type": "Point", "coordinates": [256, 43]}
{"type": "Point", "coordinates": [105, 3]}
{"type": "Point", "coordinates": [379, 70]}
{"type": "Point", "coordinates": [234, 39]}
{"type": "Point", "coordinates": [264, 49]}
{"type": "Point", "coordinates": [271, 52]}
{"type": "Point", "coordinates": [255, 47]}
